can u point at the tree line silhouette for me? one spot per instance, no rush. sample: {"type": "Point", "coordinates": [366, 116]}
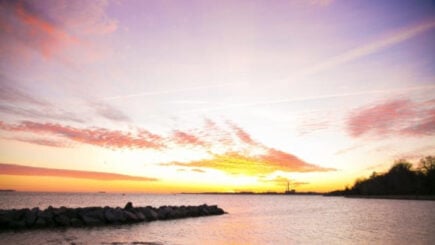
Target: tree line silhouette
{"type": "Point", "coordinates": [401, 179]}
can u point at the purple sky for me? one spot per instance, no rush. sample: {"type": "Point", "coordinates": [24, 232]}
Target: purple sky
{"type": "Point", "coordinates": [319, 92]}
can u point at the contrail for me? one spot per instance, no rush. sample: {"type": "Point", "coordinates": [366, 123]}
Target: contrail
{"type": "Point", "coordinates": [373, 47]}
{"type": "Point", "coordinates": [309, 98]}
{"type": "Point", "coordinates": [170, 91]}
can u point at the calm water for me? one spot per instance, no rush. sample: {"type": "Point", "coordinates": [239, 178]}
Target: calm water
{"type": "Point", "coordinates": [251, 220]}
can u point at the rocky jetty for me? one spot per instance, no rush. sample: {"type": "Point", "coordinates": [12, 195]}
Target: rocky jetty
{"type": "Point", "coordinates": [98, 216]}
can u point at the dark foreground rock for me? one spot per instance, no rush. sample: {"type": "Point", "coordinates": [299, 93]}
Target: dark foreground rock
{"type": "Point", "coordinates": [97, 216]}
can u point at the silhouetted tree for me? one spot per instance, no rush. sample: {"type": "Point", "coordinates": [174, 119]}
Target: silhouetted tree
{"type": "Point", "coordinates": [401, 179]}
{"type": "Point", "coordinates": [427, 172]}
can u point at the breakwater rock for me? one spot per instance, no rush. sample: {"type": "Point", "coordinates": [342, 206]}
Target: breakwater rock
{"type": "Point", "coordinates": [97, 216]}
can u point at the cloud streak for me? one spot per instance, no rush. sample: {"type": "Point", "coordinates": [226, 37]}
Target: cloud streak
{"type": "Point", "coordinates": [395, 117]}
{"type": "Point", "coordinates": [17, 102]}
{"type": "Point", "coordinates": [109, 112]}
{"type": "Point", "coordinates": [13, 169]}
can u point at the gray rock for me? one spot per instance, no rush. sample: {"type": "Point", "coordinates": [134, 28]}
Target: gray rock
{"type": "Point", "coordinates": [5, 218]}
{"type": "Point", "coordinates": [110, 216]}
{"type": "Point", "coordinates": [40, 223]}
{"type": "Point", "coordinates": [62, 220]}
{"type": "Point", "coordinates": [150, 213]}
{"type": "Point", "coordinates": [130, 216]}
{"type": "Point", "coordinates": [140, 215]}
{"type": "Point", "coordinates": [17, 224]}
{"type": "Point", "coordinates": [30, 217]}
{"type": "Point", "coordinates": [164, 212]}
{"type": "Point", "coordinates": [91, 221]}
{"type": "Point", "coordinates": [76, 222]}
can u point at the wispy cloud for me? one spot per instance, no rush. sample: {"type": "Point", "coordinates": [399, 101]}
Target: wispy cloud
{"type": "Point", "coordinates": [13, 94]}
{"type": "Point", "coordinates": [40, 141]}
{"type": "Point", "coordinates": [45, 113]}
{"type": "Point", "coordinates": [373, 47]}
{"type": "Point", "coordinates": [108, 111]}
{"type": "Point", "coordinates": [312, 98]}
{"type": "Point", "coordinates": [16, 101]}
{"type": "Point", "coordinates": [13, 169]}
{"type": "Point", "coordinates": [395, 117]}
{"type": "Point", "coordinates": [321, 3]}
{"type": "Point", "coordinates": [313, 125]}
{"type": "Point", "coordinates": [170, 91]}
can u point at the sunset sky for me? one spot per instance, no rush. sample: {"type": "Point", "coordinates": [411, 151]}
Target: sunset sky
{"type": "Point", "coordinates": [194, 96]}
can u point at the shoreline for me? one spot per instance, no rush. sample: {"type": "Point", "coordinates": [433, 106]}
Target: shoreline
{"type": "Point", "coordinates": [393, 197]}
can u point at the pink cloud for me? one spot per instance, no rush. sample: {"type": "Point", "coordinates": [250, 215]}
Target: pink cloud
{"type": "Point", "coordinates": [94, 136]}
{"type": "Point", "coordinates": [184, 138]}
{"type": "Point", "coordinates": [52, 28]}
{"type": "Point", "coordinates": [396, 117]}
{"type": "Point", "coordinates": [13, 169]}
{"type": "Point", "coordinates": [241, 134]}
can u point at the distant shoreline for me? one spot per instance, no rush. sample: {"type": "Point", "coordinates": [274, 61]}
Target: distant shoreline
{"type": "Point", "coordinates": [255, 193]}
{"type": "Point", "coordinates": [394, 197]}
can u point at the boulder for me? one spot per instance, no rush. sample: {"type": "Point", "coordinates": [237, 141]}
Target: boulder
{"type": "Point", "coordinates": [30, 216]}
{"type": "Point", "coordinates": [91, 221]}
{"type": "Point", "coordinates": [164, 212]}
{"type": "Point", "coordinates": [150, 213]}
{"type": "Point", "coordinates": [62, 220]}
{"type": "Point", "coordinates": [17, 224]}
{"type": "Point", "coordinates": [130, 216]}
{"type": "Point", "coordinates": [110, 216]}
{"type": "Point", "coordinates": [140, 216]}
{"type": "Point", "coordinates": [5, 218]}
{"type": "Point", "coordinates": [40, 223]}
{"type": "Point", "coordinates": [76, 222]}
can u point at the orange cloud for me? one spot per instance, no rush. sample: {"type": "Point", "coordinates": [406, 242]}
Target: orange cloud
{"type": "Point", "coordinates": [13, 169]}
{"type": "Point", "coordinates": [396, 117]}
{"type": "Point", "coordinates": [238, 163]}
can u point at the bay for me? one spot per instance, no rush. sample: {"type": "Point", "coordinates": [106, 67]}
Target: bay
{"type": "Point", "coordinates": [251, 219]}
